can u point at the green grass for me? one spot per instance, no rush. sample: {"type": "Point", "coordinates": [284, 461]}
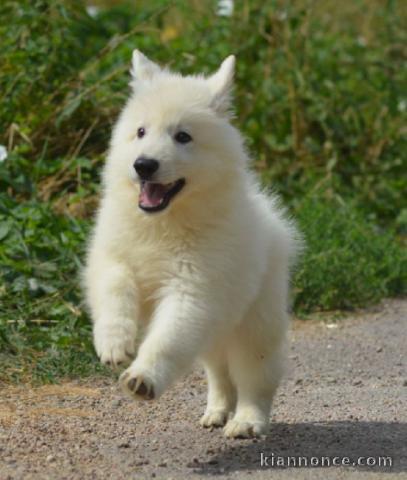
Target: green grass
{"type": "Point", "coordinates": [44, 330]}
{"type": "Point", "coordinates": [349, 262]}
{"type": "Point", "coordinates": [320, 97]}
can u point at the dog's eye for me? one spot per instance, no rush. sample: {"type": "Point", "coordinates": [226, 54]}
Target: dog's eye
{"type": "Point", "coordinates": [183, 137]}
{"type": "Point", "coordinates": [141, 132]}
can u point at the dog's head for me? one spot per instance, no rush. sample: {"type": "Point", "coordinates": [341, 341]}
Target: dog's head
{"type": "Point", "coordinates": [173, 137]}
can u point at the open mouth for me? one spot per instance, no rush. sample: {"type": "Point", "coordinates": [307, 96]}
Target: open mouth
{"type": "Point", "coordinates": [155, 197]}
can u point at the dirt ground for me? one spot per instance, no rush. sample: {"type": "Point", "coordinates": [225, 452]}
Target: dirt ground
{"type": "Point", "coordinates": [344, 396]}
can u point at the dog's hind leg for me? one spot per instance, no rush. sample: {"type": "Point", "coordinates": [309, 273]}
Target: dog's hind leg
{"type": "Point", "coordinates": [221, 392]}
{"type": "Point", "coordinates": [257, 376]}
{"type": "Point", "coordinates": [255, 360]}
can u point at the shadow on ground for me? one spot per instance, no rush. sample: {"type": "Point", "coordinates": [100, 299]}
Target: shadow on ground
{"type": "Point", "coordinates": [328, 439]}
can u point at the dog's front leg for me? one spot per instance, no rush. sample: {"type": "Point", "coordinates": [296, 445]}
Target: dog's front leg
{"type": "Point", "coordinates": [113, 298]}
{"type": "Point", "coordinates": [182, 328]}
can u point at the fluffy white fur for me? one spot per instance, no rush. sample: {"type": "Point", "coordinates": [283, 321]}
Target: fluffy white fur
{"type": "Point", "coordinates": [208, 277]}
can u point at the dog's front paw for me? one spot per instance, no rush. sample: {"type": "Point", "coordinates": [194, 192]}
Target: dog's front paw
{"type": "Point", "coordinates": [137, 385]}
{"type": "Point", "coordinates": [115, 344]}
{"type": "Point", "coordinates": [214, 418]}
{"type": "Point", "coordinates": [244, 429]}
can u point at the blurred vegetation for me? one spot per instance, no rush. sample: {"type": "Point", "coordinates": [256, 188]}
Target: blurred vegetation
{"type": "Point", "coordinates": [320, 96]}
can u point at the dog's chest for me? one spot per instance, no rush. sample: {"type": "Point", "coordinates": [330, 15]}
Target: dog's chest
{"type": "Point", "coordinates": [156, 270]}
{"type": "Point", "coordinates": [151, 271]}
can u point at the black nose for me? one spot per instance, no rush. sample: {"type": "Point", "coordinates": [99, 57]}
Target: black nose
{"type": "Point", "coordinates": [145, 167]}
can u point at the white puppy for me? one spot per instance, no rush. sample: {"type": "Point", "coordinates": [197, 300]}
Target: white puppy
{"type": "Point", "coordinates": [189, 259]}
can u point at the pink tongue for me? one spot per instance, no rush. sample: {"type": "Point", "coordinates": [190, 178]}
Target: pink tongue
{"type": "Point", "coordinates": [152, 194]}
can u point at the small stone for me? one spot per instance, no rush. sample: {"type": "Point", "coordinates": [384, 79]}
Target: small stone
{"type": "Point", "coordinates": [124, 445]}
{"type": "Point", "coordinates": [379, 349]}
{"type": "Point", "coordinates": [50, 458]}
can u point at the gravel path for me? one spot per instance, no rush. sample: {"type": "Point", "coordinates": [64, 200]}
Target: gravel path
{"type": "Point", "coordinates": [345, 396]}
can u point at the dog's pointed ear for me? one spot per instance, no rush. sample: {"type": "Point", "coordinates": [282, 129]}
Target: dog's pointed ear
{"type": "Point", "coordinates": [142, 68]}
{"type": "Point", "coordinates": [221, 83]}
